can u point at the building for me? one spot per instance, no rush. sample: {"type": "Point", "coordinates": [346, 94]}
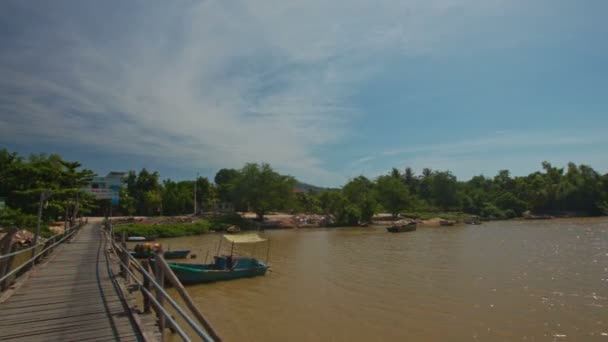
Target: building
{"type": "Point", "coordinates": [107, 187]}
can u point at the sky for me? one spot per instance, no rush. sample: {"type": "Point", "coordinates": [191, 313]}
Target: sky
{"type": "Point", "coordinates": [322, 90]}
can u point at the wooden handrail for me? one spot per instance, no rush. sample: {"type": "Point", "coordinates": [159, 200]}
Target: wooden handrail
{"type": "Point", "coordinates": [206, 332]}
{"type": "Point", "coordinates": [160, 260]}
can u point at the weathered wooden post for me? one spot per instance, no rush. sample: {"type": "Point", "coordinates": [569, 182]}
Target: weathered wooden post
{"type": "Point", "coordinates": [187, 299]}
{"type": "Point", "coordinates": [146, 266]}
{"type": "Point", "coordinates": [123, 251]}
{"type": "Point", "coordinates": [160, 280]}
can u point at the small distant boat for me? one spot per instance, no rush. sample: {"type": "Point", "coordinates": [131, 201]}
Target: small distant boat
{"type": "Point", "coordinates": [409, 227]}
{"type": "Point", "coordinates": [141, 238]}
{"type": "Point", "coordinates": [472, 222]}
{"type": "Point", "coordinates": [180, 254]}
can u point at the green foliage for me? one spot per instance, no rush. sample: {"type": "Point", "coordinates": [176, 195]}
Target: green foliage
{"type": "Point", "coordinates": [490, 211]}
{"type": "Point", "coordinates": [263, 189]}
{"type": "Point", "coordinates": [23, 181]}
{"type": "Point", "coordinates": [334, 203]}
{"type": "Point", "coordinates": [16, 218]}
{"type": "Point", "coordinates": [164, 230]}
{"type": "Point", "coordinates": [508, 201]}
{"type": "Point", "coordinates": [225, 180]}
{"type": "Point", "coordinates": [360, 192]}
{"type": "Point", "coordinates": [392, 194]}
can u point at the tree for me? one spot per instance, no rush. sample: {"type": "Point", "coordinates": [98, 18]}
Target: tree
{"type": "Point", "coordinates": [224, 181]}
{"type": "Point", "coordinates": [444, 190]}
{"type": "Point", "coordinates": [392, 194]}
{"type": "Point", "coordinates": [205, 193]}
{"type": "Point", "coordinates": [263, 189]}
{"type": "Point", "coordinates": [360, 192]}
{"type": "Point", "coordinates": [145, 190]}
{"type": "Point", "coordinates": [410, 180]}
{"type": "Point", "coordinates": [334, 203]}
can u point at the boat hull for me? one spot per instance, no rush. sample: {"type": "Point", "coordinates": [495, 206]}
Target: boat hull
{"type": "Point", "coordinates": [186, 276]}
{"type": "Point", "coordinates": [176, 254]}
{"type": "Point", "coordinates": [220, 270]}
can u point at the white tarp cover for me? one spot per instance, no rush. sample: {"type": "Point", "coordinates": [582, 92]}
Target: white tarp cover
{"type": "Point", "coordinates": [244, 238]}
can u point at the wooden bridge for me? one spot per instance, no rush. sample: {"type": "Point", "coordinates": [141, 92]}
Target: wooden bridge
{"type": "Point", "coordinates": [76, 295]}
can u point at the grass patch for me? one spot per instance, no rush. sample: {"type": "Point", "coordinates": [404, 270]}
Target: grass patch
{"type": "Point", "coordinates": [164, 230]}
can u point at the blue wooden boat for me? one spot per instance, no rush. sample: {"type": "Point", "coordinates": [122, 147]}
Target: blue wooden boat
{"type": "Point", "coordinates": [224, 268]}
{"type": "Point", "coordinates": [180, 254]}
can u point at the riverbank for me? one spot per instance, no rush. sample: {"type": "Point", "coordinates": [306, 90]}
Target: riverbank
{"type": "Point", "coordinates": [177, 226]}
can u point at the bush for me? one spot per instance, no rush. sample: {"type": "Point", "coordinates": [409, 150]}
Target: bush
{"type": "Point", "coordinates": [492, 212]}
{"type": "Point", "coordinates": [510, 213]}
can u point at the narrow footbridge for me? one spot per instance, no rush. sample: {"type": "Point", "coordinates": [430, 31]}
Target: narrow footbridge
{"type": "Point", "coordinates": [75, 294]}
{"type": "Point", "coordinates": [71, 297]}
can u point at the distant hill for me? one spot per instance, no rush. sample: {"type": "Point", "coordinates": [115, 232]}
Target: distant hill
{"type": "Point", "coordinates": [304, 187]}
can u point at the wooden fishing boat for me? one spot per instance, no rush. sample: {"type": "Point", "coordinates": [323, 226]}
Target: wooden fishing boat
{"type": "Point", "coordinates": [180, 254]}
{"type": "Point", "coordinates": [145, 251]}
{"type": "Point", "coordinates": [224, 267]}
{"type": "Point", "coordinates": [408, 227]}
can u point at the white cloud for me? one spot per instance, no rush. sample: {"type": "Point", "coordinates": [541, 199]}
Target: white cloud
{"type": "Point", "coordinates": [213, 84]}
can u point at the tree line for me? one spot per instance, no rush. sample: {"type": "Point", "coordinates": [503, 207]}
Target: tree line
{"type": "Point", "coordinates": [575, 189]}
{"type": "Point", "coordinates": [44, 180]}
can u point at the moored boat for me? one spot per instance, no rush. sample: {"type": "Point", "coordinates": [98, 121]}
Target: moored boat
{"type": "Point", "coordinates": [408, 227]}
{"type": "Point", "coordinates": [224, 267]}
{"type": "Point", "coordinates": [180, 254]}
{"type": "Point", "coordinates": [141, 238]}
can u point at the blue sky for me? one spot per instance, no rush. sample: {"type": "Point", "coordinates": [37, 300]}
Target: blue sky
{"type": "Point", "coordinates": [324, 91]}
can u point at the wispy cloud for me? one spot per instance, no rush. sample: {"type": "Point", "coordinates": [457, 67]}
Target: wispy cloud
{"type": "Point", "coordinates": [211, 84]}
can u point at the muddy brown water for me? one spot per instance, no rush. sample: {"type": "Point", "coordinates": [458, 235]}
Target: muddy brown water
{"type": "Point", "coordinates": [501, 281]}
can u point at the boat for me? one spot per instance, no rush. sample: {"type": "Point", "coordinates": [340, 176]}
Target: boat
{"type": "Point", "coordinates": [179, 254]}
{"type": "Point", "coordinates": [224, 267]}
{"type": "Point", "coordinates": [145, 251]}
{"type": "Point", "coordinates": [141, 238]}
{"type": "Point", "coordinates": [408, 227]}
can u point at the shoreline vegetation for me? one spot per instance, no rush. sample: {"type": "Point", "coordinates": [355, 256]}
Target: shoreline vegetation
{"type": "Point", "coordinates": [179, 226]}
{"type": "Point", "coordinates": [27, 183]}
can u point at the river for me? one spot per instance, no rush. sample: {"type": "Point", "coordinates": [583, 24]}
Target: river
{"type": "Point", "coordinates": [500, 281]}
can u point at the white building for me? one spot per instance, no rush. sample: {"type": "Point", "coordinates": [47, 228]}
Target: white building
{"type": "Point", "coordinates": [107, 187]}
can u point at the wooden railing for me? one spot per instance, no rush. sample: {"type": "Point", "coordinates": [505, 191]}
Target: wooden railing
{"type": "Point", "coordinates": [8, 269]}
{"type": "Point", "coordinates": [139, 276]}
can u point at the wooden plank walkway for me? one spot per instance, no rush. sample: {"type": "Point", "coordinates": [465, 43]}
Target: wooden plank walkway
{"type": "Point", "coordinates": [72, 297]}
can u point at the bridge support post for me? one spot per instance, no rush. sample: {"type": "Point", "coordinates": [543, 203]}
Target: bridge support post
{"type": "Point", "coordinates": [146, 265]}
{"type": "Point", "coordinates": [160, 279]}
